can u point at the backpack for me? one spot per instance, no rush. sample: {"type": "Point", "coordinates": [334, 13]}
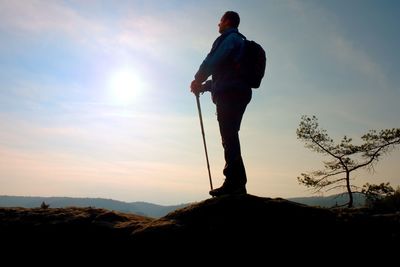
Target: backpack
{"type": "Point", "coordinates": [251, 63]}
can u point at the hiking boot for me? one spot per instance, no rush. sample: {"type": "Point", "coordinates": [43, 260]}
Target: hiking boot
{"type": "Point", "coordinates": [228, 190]}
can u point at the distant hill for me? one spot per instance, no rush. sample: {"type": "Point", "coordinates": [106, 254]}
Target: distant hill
{"type": "Point", "coordinates": [139, 208]}
{"type": "Point", "coordinates": [331, 201]}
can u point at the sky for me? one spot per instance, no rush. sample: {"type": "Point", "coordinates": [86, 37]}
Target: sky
{"type": "Point", "coordinates": [95, 98]}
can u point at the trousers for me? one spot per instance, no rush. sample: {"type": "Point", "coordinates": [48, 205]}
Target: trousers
{"type": "Point", "coordinates": [231, 106]}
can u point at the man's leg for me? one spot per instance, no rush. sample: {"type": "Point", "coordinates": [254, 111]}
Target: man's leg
{"type": "Point", "coordinates": [234, 170]}
{"type": "Point", "coordinates": [230, 112]}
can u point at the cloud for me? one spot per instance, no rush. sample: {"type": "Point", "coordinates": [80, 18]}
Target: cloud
{"type": "Point", "coordinates": [165, 35]}
{"type": "Point", "coordinates": [142, 157]}
{"type": "Point", "coordinates": [38, 17]}
{"type": "Point", "coordinates": [134, 28]}
{"type": "Point", "coordinates": [95, 131]}
{"type": "Point", "coordinates": [354, 57]}
{"type": "Point", "coordinates": [160, 41]}
{"type": "Point", "coordinates": [30, 134]}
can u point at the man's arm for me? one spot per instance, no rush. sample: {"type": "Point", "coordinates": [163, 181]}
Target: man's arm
{"type": "Point", "coordinates": [215, 58]}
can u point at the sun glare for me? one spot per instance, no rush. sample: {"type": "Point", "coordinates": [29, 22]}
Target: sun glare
{"type": "Point", "coordinates": [124, 86]}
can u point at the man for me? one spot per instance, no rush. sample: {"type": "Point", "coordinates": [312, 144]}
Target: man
{"type": "Point", "coordinates": [231, 94]}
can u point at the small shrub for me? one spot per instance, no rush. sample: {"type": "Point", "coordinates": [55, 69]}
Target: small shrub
{"type": "Point", "coordinates": [382, 197]}
{"type": "Point", "coordinates": [44, 205]}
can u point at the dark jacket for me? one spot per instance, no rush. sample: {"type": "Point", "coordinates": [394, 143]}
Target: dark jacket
{"type": "Point", "coordinates": [220, 63]}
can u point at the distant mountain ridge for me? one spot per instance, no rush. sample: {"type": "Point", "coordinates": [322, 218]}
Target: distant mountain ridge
{"type": "Point", "coordinates": [149, 209]}
{"type": "Point", "coordinates": [330, 201]}
{"type": "Point", "coordinates": [139, 208]}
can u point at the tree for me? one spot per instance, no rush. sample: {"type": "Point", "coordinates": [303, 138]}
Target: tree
{"type": "Point", "coordinates": [374, 192]}
{"type": "Point", "coordinates": [345, 157]}
{"type": "Point", "coordinates": [382, 197]}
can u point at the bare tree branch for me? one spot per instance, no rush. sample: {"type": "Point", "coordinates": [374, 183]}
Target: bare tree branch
{"type": "Point", "coordinates": [346, 156]}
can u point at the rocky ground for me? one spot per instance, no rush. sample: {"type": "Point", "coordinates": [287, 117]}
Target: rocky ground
{"type": "Point", "coordinates": [230, 223]}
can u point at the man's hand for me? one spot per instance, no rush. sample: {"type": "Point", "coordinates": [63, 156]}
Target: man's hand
{"type": "Point", "coordinates": [195, 87]}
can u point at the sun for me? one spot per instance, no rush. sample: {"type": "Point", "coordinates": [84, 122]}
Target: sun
{"type": "Point", "coordinates": [124, 86]}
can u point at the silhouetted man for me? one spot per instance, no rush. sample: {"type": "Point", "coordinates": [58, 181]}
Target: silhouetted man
{"type": "Point", "coordinates": [231, 94]}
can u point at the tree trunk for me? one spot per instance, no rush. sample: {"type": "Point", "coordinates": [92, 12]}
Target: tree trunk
{"type": "Point", "coordinates": [350, 203]}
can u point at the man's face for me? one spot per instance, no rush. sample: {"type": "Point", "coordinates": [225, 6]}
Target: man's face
{"type": "Point", "coordinates": [223, 25]}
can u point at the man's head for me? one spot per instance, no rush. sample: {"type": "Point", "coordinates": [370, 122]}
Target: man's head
{"type": "Point", "coordinates": [230, 19]}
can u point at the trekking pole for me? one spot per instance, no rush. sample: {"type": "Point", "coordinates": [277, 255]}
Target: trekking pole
{"type": "Point", "coordinates": [204, 138]}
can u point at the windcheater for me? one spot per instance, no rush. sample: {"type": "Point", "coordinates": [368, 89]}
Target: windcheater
{"type": "Point", "coordinates": [220, 63]}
